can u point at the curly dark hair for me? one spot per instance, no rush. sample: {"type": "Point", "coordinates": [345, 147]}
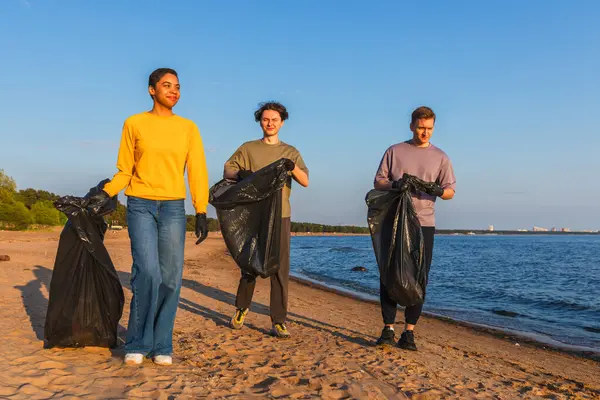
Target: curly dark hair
{"type": "Point", "coordinates": [422, 113]}
{"type": "Point", "coordinates": [271, 105]}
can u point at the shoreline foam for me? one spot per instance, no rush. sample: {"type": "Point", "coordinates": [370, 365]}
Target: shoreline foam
{"type": "Point", "coordinates": [537, 340]}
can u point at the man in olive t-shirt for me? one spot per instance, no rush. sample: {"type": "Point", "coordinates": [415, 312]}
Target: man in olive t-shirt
{"type": "Point", "coordinates": [248, 158]}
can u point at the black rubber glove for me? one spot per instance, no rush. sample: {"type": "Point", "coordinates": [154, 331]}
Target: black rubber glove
{"type": "Point", "coordinates": [243, 174]}
{"type": "Point", "coordinates": [433, 189]}
{"type": "Point", "coordinates": [289, 164]}
{"type": "Point", "coordinates": [97, 201]}
{"type": "Point", "coordinates": [201, 227]}
{"type": "Point", "coordinates": [400, 185]}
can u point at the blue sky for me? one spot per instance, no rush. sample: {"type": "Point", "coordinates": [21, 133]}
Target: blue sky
{"type": "Point", "coordinates": [514, 84]}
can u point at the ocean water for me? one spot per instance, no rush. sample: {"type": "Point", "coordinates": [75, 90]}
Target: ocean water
{"type": "Point", "coordinates": [547, 286]}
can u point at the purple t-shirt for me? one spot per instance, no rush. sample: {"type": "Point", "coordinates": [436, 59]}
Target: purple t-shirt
{"type": "Point", "coordinates": [428, 163]}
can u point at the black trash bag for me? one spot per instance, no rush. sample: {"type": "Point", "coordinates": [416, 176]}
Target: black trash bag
{"type": "Point", "coordinates": [86, 297]}
{"type": "Point", "coordinates": [249, 214]}
{"type": "Point", "coordinates": [398, 241]}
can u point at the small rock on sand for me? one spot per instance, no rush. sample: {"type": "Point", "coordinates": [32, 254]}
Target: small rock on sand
{"type": "Point", "coordinates": [4, 257]}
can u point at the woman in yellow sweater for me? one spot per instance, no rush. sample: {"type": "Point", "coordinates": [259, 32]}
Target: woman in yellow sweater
{"type": "Point", "coordinates": [156, 148]}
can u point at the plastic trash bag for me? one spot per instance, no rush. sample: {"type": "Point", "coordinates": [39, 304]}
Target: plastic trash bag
{"type": "Point", "coordinates": [86, 297]}
{"type": "Point", "coordinates": [249, 214]}
{"type": "Point", "coordinates": [398, 241]}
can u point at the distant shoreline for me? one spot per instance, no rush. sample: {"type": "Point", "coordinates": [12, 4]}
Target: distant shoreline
{"type": "Point", "coordinates": [491, 233]}
{"type": "Point", "coordinates": [461, 232]}
{"type": "Point", "coordinates": [531, 338]}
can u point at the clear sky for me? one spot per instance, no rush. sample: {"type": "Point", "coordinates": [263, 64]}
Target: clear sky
{"type": "Point", "coordinates": [515, 85]}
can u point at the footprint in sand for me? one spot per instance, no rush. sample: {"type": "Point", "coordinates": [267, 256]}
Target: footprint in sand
{"type": "Point", "coordinates": [6, 391]}
{"type": "Point", "coordinates": [59, 372]}
{"type": "Point", "coordinates": [52, 365]}
{"type": "Point", "coordinates": [33, 392]}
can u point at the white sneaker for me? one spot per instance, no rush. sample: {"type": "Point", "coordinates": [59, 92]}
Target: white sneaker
{"type": "Point", "coordinates": [134, 358]}
{"type": "Point", "coordinates": [163, 360]}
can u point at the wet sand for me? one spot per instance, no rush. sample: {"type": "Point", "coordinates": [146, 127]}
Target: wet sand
{"type": "Point", "coordinates": [330, 354]}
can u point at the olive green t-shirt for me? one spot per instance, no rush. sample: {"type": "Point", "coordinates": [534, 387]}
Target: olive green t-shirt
{"type": "Point", "coordinates": [256, 154]}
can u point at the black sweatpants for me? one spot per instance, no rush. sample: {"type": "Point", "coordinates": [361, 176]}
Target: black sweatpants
{"type": "Point", "coordinates": [412, 313]}
{"type": "Point", "coordinates": [279, 281]}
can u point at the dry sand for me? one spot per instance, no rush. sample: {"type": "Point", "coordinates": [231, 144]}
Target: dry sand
{"type": "Point", "coordinates": [330, 355]}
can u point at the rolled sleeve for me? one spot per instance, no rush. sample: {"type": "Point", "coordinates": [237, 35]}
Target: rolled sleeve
{"type": "Point", "coordinates": [383, 172]}
{"type": "Point", "coordinates": [447, 180]}
{"type": "Point", "coordinates": [236, 162]}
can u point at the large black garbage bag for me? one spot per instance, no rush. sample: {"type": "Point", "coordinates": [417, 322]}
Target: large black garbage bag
{"type": "Point", "coordinates": [249, 214]}
{"type": "Point", "coordinates": [398, 241]}
{"type": "Point", "coordinates": [86, 297]}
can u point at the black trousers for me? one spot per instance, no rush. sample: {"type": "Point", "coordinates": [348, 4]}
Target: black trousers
{"type": "Point", "coordinates": [412, 313]}
{"type": "Point", "coordinates": [279, 281]}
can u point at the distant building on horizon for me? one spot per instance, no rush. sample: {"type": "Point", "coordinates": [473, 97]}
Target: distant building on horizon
{"type": "Point", "coordinates": [538, 229]}
{"type": "Point", "coordinates": [491, 228]}
{"type": "Point", "coordinates": [565, 230]}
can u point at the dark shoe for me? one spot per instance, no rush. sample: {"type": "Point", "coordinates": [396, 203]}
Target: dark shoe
{"type": "Point", "coordinates": [387, 338]}
{"type": "Point", "coordinates": [407, 341]}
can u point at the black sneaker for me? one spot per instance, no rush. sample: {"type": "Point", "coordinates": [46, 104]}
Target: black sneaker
{"type": "Point", "coordinates": [407, 341]}
{"type": "Point", "coordinates": [387, 338]}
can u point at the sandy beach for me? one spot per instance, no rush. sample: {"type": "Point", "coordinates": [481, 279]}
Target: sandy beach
{"type": "Point", "coordinates": [330, 355]}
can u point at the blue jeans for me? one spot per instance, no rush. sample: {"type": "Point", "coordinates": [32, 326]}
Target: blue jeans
{"type": "Point", "coordinates": [157, 234]}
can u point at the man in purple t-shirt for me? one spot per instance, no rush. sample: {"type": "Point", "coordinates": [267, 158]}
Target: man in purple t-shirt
{"type": "Point", "coordinates": [420, 158]}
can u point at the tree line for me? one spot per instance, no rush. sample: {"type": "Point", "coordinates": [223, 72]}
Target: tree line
{"type": "Point", "coordinates": [320, 228]}
{"type": "Point", "coordinates": [20, 209]}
